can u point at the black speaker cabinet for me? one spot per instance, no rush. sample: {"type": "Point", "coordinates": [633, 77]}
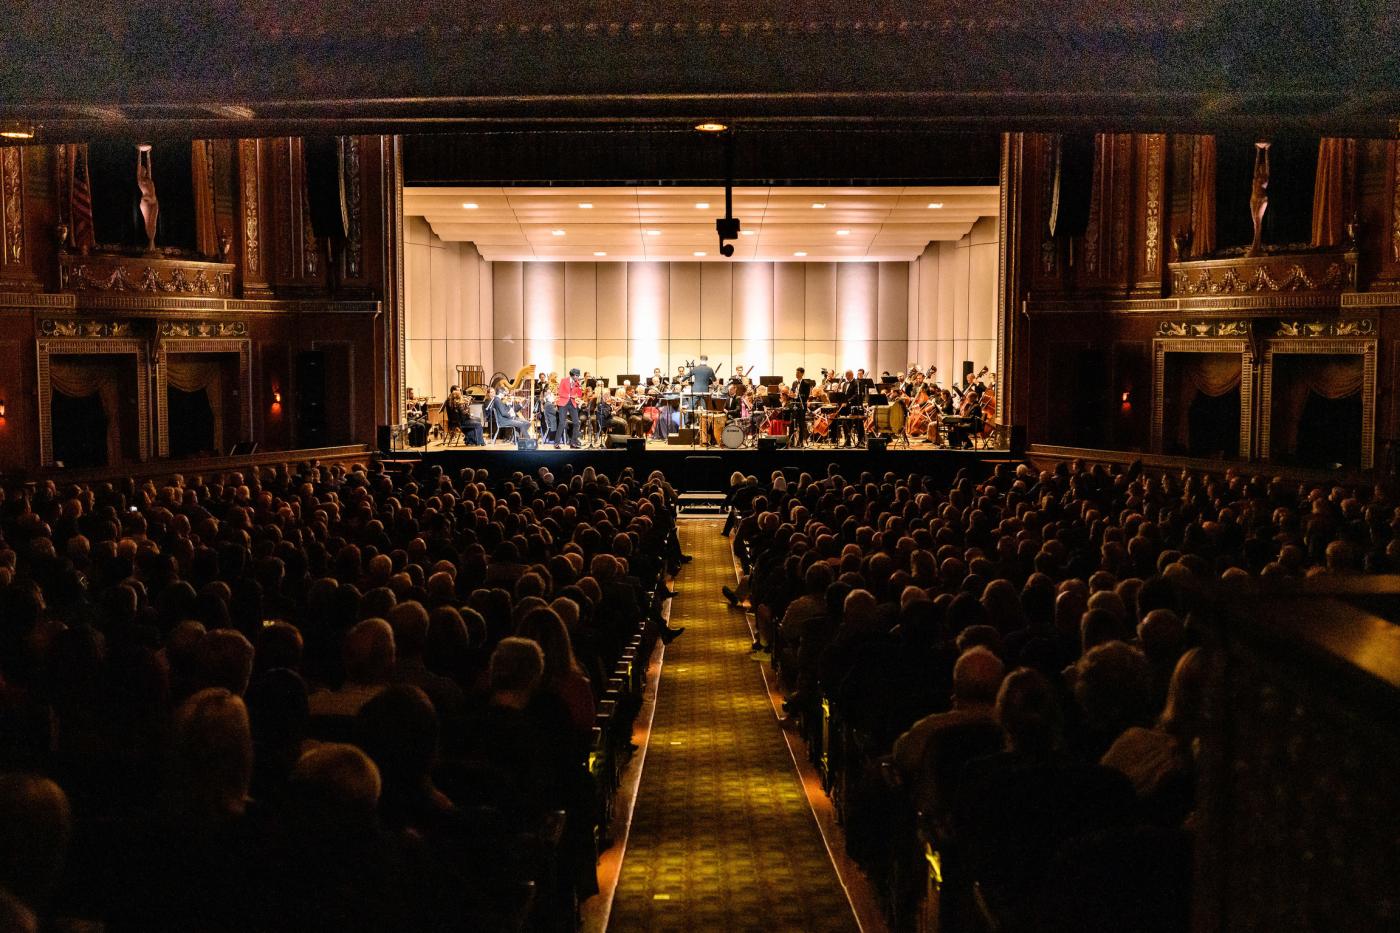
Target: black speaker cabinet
{"type": "Point", "coordinates": [1018, 440]}
{"type": "Point", "coordinates": [684, 437]}
{"type": "Point", "coordinates": [383, 438]}
{"type": "Point", "coordinates": [877, 445]}
{"type": "Point", "coordinates": [768, 445]}
{"type": "Point", "coordinates": [526, 443]}
{"type": "Point", "coordinates": [616, 442]}
{"type": "Point", "coordinates": [636, 445]}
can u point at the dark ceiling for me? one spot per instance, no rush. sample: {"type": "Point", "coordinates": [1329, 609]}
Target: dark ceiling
{"type": "Point", "coordinates": [218, 67]}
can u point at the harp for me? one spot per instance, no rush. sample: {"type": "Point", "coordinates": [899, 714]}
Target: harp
{"type": "Point", "coordinates": [525, 379]}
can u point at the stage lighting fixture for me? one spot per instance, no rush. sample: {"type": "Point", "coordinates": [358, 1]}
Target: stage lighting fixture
{"type": "Point", "coordinates": [711, 127]}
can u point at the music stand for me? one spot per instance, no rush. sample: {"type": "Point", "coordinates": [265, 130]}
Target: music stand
{"type": "Point", "coordinates": [770, 380]}
{"type": "Point", "coordinates": [634, 378]}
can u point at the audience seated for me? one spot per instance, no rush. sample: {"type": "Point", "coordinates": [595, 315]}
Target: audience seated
{"type": "Point", "coordinates": [895, 605]}
{"type": "Point", "coordinates": [314, 697]}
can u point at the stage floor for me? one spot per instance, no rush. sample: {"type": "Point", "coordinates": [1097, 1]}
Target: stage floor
{"type": "Point", "coordinates": [897, 446]}
{"type": "Point", "coordinates": [696, 468]}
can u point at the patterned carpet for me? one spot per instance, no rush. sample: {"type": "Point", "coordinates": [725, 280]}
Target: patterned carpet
{"type": "Point", "coordinates": [722, 838]}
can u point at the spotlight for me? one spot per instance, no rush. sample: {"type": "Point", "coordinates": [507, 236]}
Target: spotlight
{"type": "Point", "coordinates": [599, 252]}
{"type": "Point", "coordinates": [711, 127]}
{"type": "Point", "coordinates": [800, 253]}
{"type": "Point", "coordinates": [726, 249]}
{"type": "Point", "coordinates": [584, 205]}
{"type": "Point", "coordinates": [470, 205]}
{"type": "Point", "coordinates": [843, 233]}
{"type": "Point", "coordinates": [699, 252]}
{"type": "Point", "coordinates": [557, 232]}
{"type": "Point", "coordinates": [702, 205]}
{"type": "Point", "coordinates": [935, 205]}
{"type": "Point", "coordinates": [818, 205]}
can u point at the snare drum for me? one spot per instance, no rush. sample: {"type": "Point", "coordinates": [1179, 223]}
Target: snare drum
{"type": "Point", "coordinates": [732, 436]}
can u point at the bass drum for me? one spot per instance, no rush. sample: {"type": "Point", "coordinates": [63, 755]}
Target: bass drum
{"type": "Point", "coordinates": [732, 436]}
{"type": "Point", "coordinates": [889, 419]}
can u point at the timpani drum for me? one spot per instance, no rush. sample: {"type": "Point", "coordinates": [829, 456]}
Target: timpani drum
{"type": "Point", "coordinates": [889, 419]}
{"type": "Point", "coordinates": [732, 436]}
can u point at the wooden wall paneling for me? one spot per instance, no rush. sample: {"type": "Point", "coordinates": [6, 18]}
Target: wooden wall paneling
{"type": "Point", "coordinates": [225, 194]}
{"type": "Point", "coordinates": [254, 240]}
{"type": "Point", "coordinates": [20, 425]}
{"type": "Point", "coordinates": [1177, 217]}
{"type": "Point", "coordinates": [1042, 251]}
{"type": "Point", "coordinates": [42, 209]}
{"type": "Point", "coordinates": [15, 245]}
{"type": "Point", "coordinates": [206, 233]}
{"type": "Point", "coordinates": [1120, 246]}
{"type": "Point", "coordinates": [1151, 250]}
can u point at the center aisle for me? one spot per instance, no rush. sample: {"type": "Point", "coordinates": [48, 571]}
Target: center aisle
{"type": "Point", "coordinates": [722, 837]}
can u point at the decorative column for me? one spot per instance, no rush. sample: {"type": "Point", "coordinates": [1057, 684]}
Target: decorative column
{"type": "Point", "coordinates": [15, 271]}
{"type": "Point", "coordinates": [252, 239]}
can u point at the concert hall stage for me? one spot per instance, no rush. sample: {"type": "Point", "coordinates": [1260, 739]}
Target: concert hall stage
{"type": "Point", "coordinates": [702, 469]}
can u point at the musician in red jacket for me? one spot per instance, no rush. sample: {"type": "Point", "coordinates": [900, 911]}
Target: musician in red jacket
{"type": "Point", "coordinates": [567, 400]}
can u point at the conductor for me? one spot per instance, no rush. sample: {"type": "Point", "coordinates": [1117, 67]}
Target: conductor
{"type": "Point", "coordinates": [701, 376]}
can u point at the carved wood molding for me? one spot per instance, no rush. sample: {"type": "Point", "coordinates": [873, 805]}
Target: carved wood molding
{"type": "Point", "coordinates": [354, 207]}
{"type": "Point", "coordinates": [1161, 346]}
{"type": "Point", "coordinates": [1337, 346]}
{"type": "Point", "coordinates": [14, 249]}
{"type": "Point", "coordinates": [250, 210]}
{"type": "Point", "coordinates": [147, 276]}
{"type": "Point", "coordinates": [49, 347]}
{"type": "Point", "coordinates": [1332, 272]}
{"type": "Point", "coordinates": [242, 347]}
{"type": "Point", "coordinates": [1154, 194]}
{"type": "Point", "coordinates": [1395, 202]}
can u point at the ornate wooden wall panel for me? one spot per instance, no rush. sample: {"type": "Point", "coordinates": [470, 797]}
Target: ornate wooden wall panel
{"type": "Point", "coordinates": [16, 271]}
{"type": "Point", "coordinates": [253, 226]}
{"type": "Point", "coordinates": [50, 347]}
{"type": "Point", "coordinates": [1366, 348]}
{"type": "Point", "coordinates": [1164, 345]}
{"type": "Point", "coordinates": [1151, 252]}
{"type": "Point", "coordinates": [241, 347]}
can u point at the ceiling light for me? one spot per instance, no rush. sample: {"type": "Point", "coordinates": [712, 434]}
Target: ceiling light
{"type": "Point", "coordinates": [585, 205]}
{"type": "Point", "coordinates": [935, 205]}
{"type": "Point", "coordinates": [470, 205]}
{"type": "Point", "coordinates": [702, 205]}
{"type": "Point", "coordinates": [818, 205]}
{"type": "Point", "coordinates": [800, 253]}
{"type": "Point", "coordinates": [653, 233]}
{"type": "Point", "coordinates": [711, 127]}
{"type": "Point", "coordinates": [599, 252]}
{"type": "Point", "coordinates": [699, 252]}
{"type": "Point", "coordinates": [557, 232]}
{"type": "Point", "coordinates": [748, 233]}
{"type": "Point", "coordinates": [843, 233]}
{"type": "Point", "coordinates": [17, 129]}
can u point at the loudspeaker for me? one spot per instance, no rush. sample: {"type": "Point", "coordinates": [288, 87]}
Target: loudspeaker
{"type": "Point", "coordinates": [684, 437]}
{"type": "Point", "coordinates": [616, 441]}
{"type": "Point", "coordinates": [325, 185]}
{"type": "Point", "coordinates": [768, 445]}
{"type": "Point", "coordinates": [526, 443]}
{"type": "Point", "coordinates": [311, 398]}
{"type": "Point", "coordinates": [1073, 185]}
{"type": "Point", "coordinates": [1018, 440]}
{"type": "Point", "coordinates": [636, 445]}
{"type": "Point", "coordinates": [877, 445]}
{"type": "Point", "coordinates": [383, 438]}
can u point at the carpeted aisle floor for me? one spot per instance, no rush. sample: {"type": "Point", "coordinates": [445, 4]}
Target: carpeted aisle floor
{"type": "Point", "coordinates": [722, 838]}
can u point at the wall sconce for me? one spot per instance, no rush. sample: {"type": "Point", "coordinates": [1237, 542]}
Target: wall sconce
{"type": "Point", "coordinates": [2, 409]}
{"type": "Point", "coordinates": [276, 396]}
{"type": "Point", "coordinates": [1127, 401]}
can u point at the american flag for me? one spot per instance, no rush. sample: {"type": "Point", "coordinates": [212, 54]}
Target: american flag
{"type": "Point", "coordinates": [80, 199]}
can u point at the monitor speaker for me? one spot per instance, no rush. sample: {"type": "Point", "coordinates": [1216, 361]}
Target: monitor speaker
{"type": "Point", "coordinates": [1018, 440]}
{"type": "Point", "coordinates": [768, 445]}
{"type": "Point", "coordinates": [383, 438]}
{"type": "Point", "coordinates": [325, 185]}
{"type": "Point", "coordinates": [616, 441]}
{"type": "Point", "coordinates": [526, 443]}
{"type": "Point", "coordinates": [877, 445]}
{"type": "Point", "coordinates": [636, 445]}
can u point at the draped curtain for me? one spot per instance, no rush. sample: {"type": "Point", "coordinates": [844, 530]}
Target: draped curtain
{"type": "Point", "coordinates": [1329, 209]}
{"type": "Point", "coordinates": [1210, 374]}
{"type": "Point", "coordinates": [193, 375]}
{"type": "Point", "coordinates": [1202, 196]}
{"type": "Point", "coordinates": [1332, 378]}
{"type": "Point", "coordinates": [86, 379]}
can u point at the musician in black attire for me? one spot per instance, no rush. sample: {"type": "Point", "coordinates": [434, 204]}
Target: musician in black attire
{"type": "Point", "coordinates": [505, 415]}
{"type": "Point", "coordinates": [797, 409]}
{"type": "Point", "coordinates": [734, 403]}
{"type": "Point", "coordinates": [850, 424]}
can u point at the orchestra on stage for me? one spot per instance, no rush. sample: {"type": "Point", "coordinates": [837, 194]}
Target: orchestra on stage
{"type": "Point", "coordinates": [695, 406]}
